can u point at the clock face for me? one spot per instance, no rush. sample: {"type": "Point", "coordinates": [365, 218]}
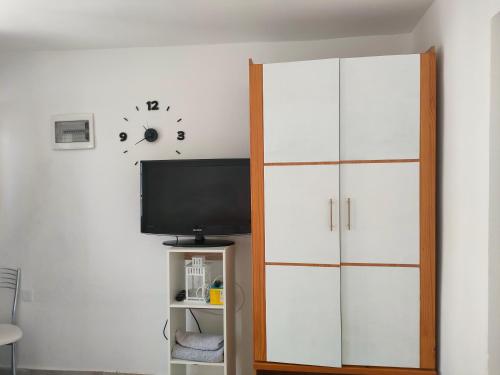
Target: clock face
{"type": "Point", "coordinates": [152, 121]}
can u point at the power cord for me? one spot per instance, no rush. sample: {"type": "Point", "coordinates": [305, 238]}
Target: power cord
{"type": "Point", "coordinates": [181, 296]}
{"type": "Point", "coordinates": [164, 328]}
{"type": "Point", "coordinates": [196, 320]}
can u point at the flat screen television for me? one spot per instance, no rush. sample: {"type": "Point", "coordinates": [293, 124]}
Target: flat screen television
{"type": "Point", "coordinates": [195, 198]}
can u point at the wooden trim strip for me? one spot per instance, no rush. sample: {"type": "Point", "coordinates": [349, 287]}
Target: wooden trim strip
{"type": "Point", "coordinates": [291, 264]}
{"type": "Point", "coordinates": [379, 161]}
{"type": "Point", "coordinates": [285, 164]}
{"type": "Point", "coordinates": [257, 205]}
{"type": "Point", "coordinates": [428, 209]}
{"type": "Point", "coordinates": [302, 264]}
{"type": "Point", "coordinates": [380, 265]}
{"type": "Point", "coordinates": [345, 370]}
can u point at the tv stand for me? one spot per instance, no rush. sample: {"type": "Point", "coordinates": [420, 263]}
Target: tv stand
{"type": "Point", "coordinates": [217, 319]}
{"type": "Point", "coordinates": [198, 241]}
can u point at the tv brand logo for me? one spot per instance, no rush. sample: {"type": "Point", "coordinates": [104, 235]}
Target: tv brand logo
{"type": "Point", "coordinates": [197, 230]}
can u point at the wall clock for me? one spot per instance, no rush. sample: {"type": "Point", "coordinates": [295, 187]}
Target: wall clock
{"type": "Point", "coordinates": [147, 116]}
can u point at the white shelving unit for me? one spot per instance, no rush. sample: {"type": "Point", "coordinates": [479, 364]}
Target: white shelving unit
{"type": "Point", "coordinates": [217, 319]}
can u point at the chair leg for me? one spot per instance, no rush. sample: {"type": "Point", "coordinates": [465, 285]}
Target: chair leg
{"type": "Point", "coordinates": [13, 359]}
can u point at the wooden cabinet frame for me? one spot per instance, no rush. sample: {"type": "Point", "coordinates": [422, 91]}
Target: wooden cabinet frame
{"type": "Point", "coordinates": [427, 231]}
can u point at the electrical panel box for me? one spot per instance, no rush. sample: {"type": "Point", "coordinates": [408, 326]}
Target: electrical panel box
{"type": "Point", "coordinates": [72, 131]}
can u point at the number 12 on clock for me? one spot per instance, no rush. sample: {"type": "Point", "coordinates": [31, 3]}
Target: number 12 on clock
{"type": "Point", "coordinates": [153, 105]}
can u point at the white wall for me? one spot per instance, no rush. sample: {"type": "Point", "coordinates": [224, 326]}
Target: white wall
{"type": "Point", "coordinates": [460, 29]}
{"type": "Point", "coordinates": [494, 235]}
{"type": "Point", "coordinates": [71, 219]}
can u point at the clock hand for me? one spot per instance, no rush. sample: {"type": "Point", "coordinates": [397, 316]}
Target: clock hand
{"type": "Point", "coordinates": [144, 127]}
{"type": "Point", "coordinates": [140, 141]}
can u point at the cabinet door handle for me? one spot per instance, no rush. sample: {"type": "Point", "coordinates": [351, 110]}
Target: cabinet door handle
{"type": "Point", "coordinates": [332, 226]}
{"type": "Point", "coordinates": [348, 213]}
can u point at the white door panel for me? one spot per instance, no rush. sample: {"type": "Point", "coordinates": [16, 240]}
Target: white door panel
{"type": "Point", "coordinates": [380, 107]}
{"type": "Point", "coordinates": [303, 315]}
{"type": "Point", "coordinates": [301, 111]}
{"type": "Point", "coordinates": [380, 316]}
{"type": "Point", "coordinates": [384, 214]}
{"type": "Point", "coordinates": [297, 214]}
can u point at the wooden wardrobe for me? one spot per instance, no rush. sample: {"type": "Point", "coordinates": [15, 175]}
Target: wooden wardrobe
{"type": "Point", "coordinates": [343, 174]}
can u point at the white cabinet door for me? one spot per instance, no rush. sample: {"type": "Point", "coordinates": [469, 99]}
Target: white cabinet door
{"type": "Point", "coordinates": [380, 316]}
{"type": "Point", "coordinates": [384, 213]}
{"type": "Point", "coordinates": [303, 315]}
{"type": "Point", "coordinates": [380, 107]}
{"type": "Point", "coordinates": [301, 111]}
{"type": "Point", "coordinates": [301, 221]}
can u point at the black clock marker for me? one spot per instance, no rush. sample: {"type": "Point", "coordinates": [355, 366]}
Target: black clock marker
{"type": "Point", "coordinates": [136, 163]}
{"type": "Point", "coordinates": [179, 120]}
{"type": "Point", "coordinates": [125, 151]}
{"type": "Point", "coordinates": [177, 152]}
{"type": "Point", "coordinates": [126, 119]}
{"type": "Point", "coordinates": [168, 108]}
{"type": "Point", "coordinates": [152, 105]}
{"type": "Point", "coordinates": [136, 107]}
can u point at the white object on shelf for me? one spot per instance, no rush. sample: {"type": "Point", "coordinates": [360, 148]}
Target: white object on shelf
{"type": "Point", "coordinates": [198, 277]}
{"type": "Point", "coordinates": [198, 261]}
{"type": "Point", "coordinates": [220, 320]}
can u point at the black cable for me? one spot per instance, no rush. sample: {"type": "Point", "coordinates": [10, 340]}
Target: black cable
{"type": "Point", "coordinates": [196, 320]}
{"type": "Point", "coordinates": [164, 328]}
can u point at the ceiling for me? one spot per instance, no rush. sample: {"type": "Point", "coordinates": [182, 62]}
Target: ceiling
{"type": "Point", "coordinates": [73, 24]}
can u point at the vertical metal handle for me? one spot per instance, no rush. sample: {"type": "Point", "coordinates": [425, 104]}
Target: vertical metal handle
{"type": "Point", "coordinates": [332, 226]}
{"type": "Point", "coordinates": [348, 213]}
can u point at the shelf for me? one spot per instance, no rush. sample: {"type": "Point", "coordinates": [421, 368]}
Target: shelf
{"type": "Point", "coordinates": [197, 250]}
{"type": "Point", "coordinates": [217, 319]}
{"type": "Point", "coordinates": [195, 305]}
{"type": "Point", "coordinates": [182, 362]}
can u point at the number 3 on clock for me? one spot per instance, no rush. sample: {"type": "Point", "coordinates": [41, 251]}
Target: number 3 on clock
{"type": "Point", "coordinates": [152, 105]}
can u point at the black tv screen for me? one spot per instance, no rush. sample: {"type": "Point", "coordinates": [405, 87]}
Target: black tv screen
{"type": "Point", "coordinates": [187, 197]}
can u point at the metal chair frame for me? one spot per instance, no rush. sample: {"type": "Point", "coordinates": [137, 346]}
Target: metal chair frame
{"type": "Point", "coordinates": [10, 278]}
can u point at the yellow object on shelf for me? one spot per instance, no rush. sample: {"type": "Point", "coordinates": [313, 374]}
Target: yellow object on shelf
{"type": "Point", "coordinates": [216, 296]}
